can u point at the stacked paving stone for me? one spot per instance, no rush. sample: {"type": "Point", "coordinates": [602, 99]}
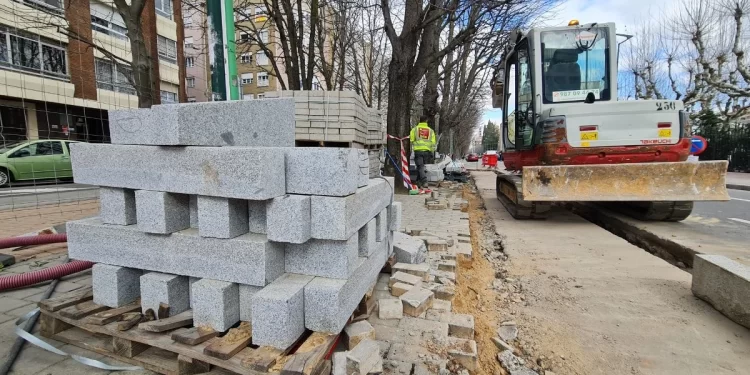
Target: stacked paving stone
{"type": "Point", "coordinates": [334, 116]}
{"type": "Point", "coordinates": [210, 207]}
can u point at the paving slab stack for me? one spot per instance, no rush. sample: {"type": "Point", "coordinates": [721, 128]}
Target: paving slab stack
{"type": "Point", "coordinates": [210, 207]}
{"type": "Point", "coordinates": [338, 116]}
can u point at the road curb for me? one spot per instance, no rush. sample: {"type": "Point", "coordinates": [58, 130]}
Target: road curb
{"type": "Point", "coordinates": [46, 192]}
{"type": "Point", "coordinates": [738, 187]}
{"type": "Point", "coordinates": [664, 248]}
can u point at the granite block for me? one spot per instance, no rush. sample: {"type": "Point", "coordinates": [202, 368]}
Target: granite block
{"type": "Point", "coordinates": [246, 301]}
{"type": "Point", "coordinates": [394, 216]}
{"type": "Point", "coordinates": [326, 258]}
{"type": "Point", "coordinates": [337, 218]}
{"type": "Point", "coordinates": [367, 236]}
{"type": "Point", "coordinates": [288, 219]}
{"type": "Point", "coordinates": [363, 175]}
{"type": "Point", "coordinates": [248, 259]}
{"type": "Point", "coordinates": [222, 217]}
{"type": "Point", "coordinates": [253, 123]}
{"type": "Point", "coordinates": [381, 222]}
{"type": "Point", "coordinates": [160, 212]}
{"type": "Point", "coordinates": [115, 286]}
{"type": "Point", "coordinates": [117, 206]}
{"type": "Point", "coordinates": [216, 304]}
{"type": "Point", "coordinates": [159, 288]}
{"type": "Point", "coordinates": [278, 315]}
{"type": "Point", "coordinates": [256, 211]}
{"type": "Point", "coordinates": [330, 302]}
{"type": "Point", "coordinates": [194, 211]}
{"type": "Point", "coordinates": [231, 172]}
{"type": "Point", "coordinates": [408, 249]}
{"type": "Point", "coordinates": [322, 171]}
{"type": "Point", "coordinates": [191, 281]}
{"type": "Point", "coordinates": [725, 284]}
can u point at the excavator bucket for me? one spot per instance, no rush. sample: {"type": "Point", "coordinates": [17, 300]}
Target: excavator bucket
{"type": "Point", "coordinates": [679, 181]}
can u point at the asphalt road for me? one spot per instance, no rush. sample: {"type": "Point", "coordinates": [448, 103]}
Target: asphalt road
{"type": "Point", "coordinates": [40, 194]}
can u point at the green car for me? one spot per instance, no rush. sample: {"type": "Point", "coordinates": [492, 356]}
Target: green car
{"type": "Point", "coordinates": [35, 160]}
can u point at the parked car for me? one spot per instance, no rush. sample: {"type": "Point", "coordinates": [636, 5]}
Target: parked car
{"type": "Point", "coordinates": [35, 160]}
{"type": "Point", "coordinates": [472, 157]}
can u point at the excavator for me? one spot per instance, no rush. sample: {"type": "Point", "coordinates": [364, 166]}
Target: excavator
{"type": "Point", "coordinates": [567, 138]}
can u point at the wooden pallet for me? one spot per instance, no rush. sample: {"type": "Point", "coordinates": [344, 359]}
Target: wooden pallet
{"type": "Point", "coordinates": [172, 345]}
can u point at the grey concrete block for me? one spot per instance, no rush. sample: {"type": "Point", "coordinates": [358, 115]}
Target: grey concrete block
{"type": "Point", "coordinates": [326, 258]}
{"type": "Point", "coordinates": [248, 259]}
{"type": "Point", "coordinates": [330, 302]}
{"type": "Point", "coordinates": [381, 222]}
{"type": "Point", "coordinates": [117, 206]}
{"type": "Point", "coordinates": [288, 219]}
{"type": "Point", "coordinates": [367, 236]}
{"type": "Point", "coordinates": [394, 216]}
{"type": "Point", "coordinates": [231, 172]}
{"type": "Point", "coordinates": [257, 216]}
{"type": "Point", "coordinates": [194, 211]}
{"type": "Point", "coordinates": [115, 286]}
{"type": "Point", "coordinates": [408, 249]}
{"type": "Point", "coordinates": [191, 281]}
{"type": "Point", "coordinates": [725, 284]}
{"type": "Point", "coordinates": [254, 123]}
{"type": "Point", "coordinates": [278, 311]}
{"type": "Point", "coordinates": [166, 288]}
{"type": "Point", "coordinates": [364, 358]}
{"type": "Point", "coordinates": [222, 217]}
{"type": "Point", "coordinates": [337, 218]}
{"type": "Point", "coordinates": [216, 304]}
{"type": "Point", "coordinates": [322, 171]}
{"type": "Point", "coordinates": [363, 175]}
{"type": "Point", "coordinates": [246, 301]}
{"type": "Point", "coordinates": [160, 212]}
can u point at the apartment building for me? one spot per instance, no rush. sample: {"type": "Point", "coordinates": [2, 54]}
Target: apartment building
{"type": "Point", "coordinates": [57, 76]}
{"type": "Point", "coordinates": [197, 64]}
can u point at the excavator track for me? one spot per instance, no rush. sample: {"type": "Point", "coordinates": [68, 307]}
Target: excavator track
{"type": "Point", "coordinates": [508, 190]}
{"type": "Point", "coordinates": [654, 211]}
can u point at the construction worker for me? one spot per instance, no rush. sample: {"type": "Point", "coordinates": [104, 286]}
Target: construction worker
{"type": "Point", "coordinates": [423, 144]}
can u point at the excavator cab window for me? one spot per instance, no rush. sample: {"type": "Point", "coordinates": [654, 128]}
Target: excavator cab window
{"type": "Point", "coordinates": [519, 100]}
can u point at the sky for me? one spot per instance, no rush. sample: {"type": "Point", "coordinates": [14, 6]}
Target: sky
{"type": "Point", "coordinates": [626, 14]}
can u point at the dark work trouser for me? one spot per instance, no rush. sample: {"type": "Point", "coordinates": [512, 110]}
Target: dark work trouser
{"type": "Point", "coordinates": [420, 159]}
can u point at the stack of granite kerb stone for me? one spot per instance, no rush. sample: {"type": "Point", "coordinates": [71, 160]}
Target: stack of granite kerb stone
{"type": "Point", "coordinates": [209, 207]}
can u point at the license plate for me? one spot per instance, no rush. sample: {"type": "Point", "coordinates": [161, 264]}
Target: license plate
{"type": "Point", "coordinates": [589, 136]}
{"type": "Point", "coordinates": [665, 133]}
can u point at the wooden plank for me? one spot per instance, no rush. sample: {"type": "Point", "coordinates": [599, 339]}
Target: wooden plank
{"type": "Point", "coordinates": [194, 335]}
{"type": "Point", "coordinates": [70, 299]}
{"type": "Point", "coordinates": [310, 355]}
{"type": "Point", "coordinates": [261, 359]}
{"type": "Point", "coordinates": [49, 326]}
{"type": "Point", "coordinates": [127, 348]}
{"type": "Point", "coordinates": [113, 315]}
{"type": "Point", "coordinates": [229, 345]}
{"type": "Point", "coordinates": [129, 320]}
{"type": "Point", "coordinates": [163, 311]}
{"type": "Point", "coordinates": [180, 320]}
{"type": "Point", "coordinates": [82, 310]}
{"type": "Point", "coordinates": [189, 366]}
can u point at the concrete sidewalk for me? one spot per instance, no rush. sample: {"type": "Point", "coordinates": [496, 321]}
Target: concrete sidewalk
{"type": "Point", "coordinates": [738, 181]}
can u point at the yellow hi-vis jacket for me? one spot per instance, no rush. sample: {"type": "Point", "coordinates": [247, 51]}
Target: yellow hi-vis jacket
{"type": "Point", "coordinates": [422, 138]}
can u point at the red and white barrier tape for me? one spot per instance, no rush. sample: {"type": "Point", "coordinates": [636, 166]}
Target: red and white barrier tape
{"type": "Point", "coordinates": [404, 164]}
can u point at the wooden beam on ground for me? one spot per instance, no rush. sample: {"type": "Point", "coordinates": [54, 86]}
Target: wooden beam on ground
{"type": "Point", "coordinates": [82, 310]}
{"type": "Point", "coordinates": [262, 359]}
{"type": "Point", "coordinates": [113, 315]}
{"type": "Point", "coordinates": [180, 320]}
{"type": "Point", "coordinates": [194, 335]}
{"type": "Point", "coordinates": [310, 356]}
{"type": "Point", "coordinates": [67, 300]}
{"type": "Point", "coordinates": [229, 345]}
{"type": "Point", "coordinates": [129, 320]}
{"type": "Point", "coordinates": [189, 366]}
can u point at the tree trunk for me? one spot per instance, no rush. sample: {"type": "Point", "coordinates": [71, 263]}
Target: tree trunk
{"type": "Point", "coordinates": [400, 90]}
{"type": "Point", "coordinates": [141, 69]}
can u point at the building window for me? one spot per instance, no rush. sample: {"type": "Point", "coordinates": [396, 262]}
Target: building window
{"type": "Point", "coordinates": [247, 78]}
{"type": "Point", "coordinates": [261, 96]}
{"type": "Point", "coordinates": [191, 99]}
{"type": "Point", "coordinates": [190, 81]}
{"type": "Point", "coordinates": [113, 78]}
{"type": "Point", "coordinates": [106, 20]}
{"type": "Point", "coordinates": [164, 8]}
{"type": "Point", "coordinates": [189, 61]}
{"type": "Point", "coordinates": [262, 79]}
{"type": "Point", "coordinates": [262, 59]}
{"type": "Point", "coordinates": [246, 58]}
{"type": "Point", "coordinates": [244, 37]}
{"type": "Point", "coordinates": [56, 6]}
{"type": "Point", "coordinates": [167, 49]}
{"type": "Point", "coordinates": [187, 19]}
{"type": "Point", "coordinates": [189, 42]}
{"type": "Point", "coordinates": [30, 53]}
{"type": "Point", "coordinates": [263, 36]}
{"type": "Point", "coordinates": [247, 96]}
{"type": "Point", "coordinates": [168, 97]}
{"type": "Point", "coordinates": [260, 14]}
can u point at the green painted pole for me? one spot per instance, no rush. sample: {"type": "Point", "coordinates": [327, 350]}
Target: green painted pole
{"type": "Point", "coordinates": [216, 49]}
{"type": "Point", "coordinates": [231, 50]}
